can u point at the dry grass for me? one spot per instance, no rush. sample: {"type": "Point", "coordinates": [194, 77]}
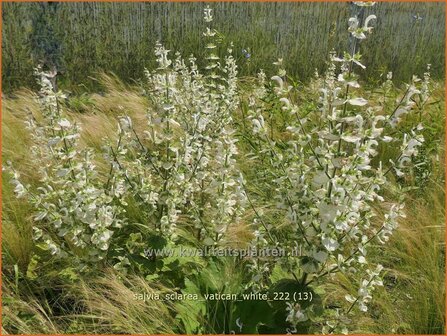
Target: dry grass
{"type": "Point", "coordinates": [110, 305]}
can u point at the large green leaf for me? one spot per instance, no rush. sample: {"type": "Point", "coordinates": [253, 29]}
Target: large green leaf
{"type": "Point", "coordinates": [251, 314]}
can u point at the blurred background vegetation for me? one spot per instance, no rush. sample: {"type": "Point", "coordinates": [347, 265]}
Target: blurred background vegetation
{"type": "Point", "coordinates": [82, 39]}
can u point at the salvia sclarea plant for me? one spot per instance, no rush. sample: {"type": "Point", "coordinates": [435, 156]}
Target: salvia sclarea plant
{"type": "Point", "coordinates": [182, 165]}
{"type": "Point", "coordinates": [75, 215]}
{"type": "Point", "coordinates": [328, 182]}
{"type": "Point", "coordinates": [185, 164]}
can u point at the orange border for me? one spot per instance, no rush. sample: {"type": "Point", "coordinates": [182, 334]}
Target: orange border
{"type": "Point", "coordinates": [1, 145]}
{"type": "Point", "coordinates": [205, 1]}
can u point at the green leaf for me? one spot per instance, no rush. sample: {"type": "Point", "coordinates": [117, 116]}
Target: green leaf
{"type": "Point", "coordinates": [251, 314]}
{"type": "Point", "coordinates": [150, 265]}
{"type": "Point", "coordinates": [31, 272]}
{"type": "Point", "coordinates": [191, 313]}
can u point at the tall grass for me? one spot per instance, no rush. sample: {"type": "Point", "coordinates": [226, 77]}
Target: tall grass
{"type": "Point", "coordinates": [83, 38]}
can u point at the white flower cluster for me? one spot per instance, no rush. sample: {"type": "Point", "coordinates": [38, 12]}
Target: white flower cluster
{"type": "Point", "coordinates": [184, 163]}
{"type": "Point", "coordinates": [326, 174]}
{"type": "Point", "coordinates": [359, 32]}
{"type": "Point", "coordinates": [366, 288]}
{"type": "Point", "coordinates": [75, 217]}
{"type": "Point", "coordinates": [295, 313]}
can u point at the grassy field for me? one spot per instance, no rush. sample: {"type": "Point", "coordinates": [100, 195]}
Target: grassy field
{"type": "Point", "coordinates": [68, 35]}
